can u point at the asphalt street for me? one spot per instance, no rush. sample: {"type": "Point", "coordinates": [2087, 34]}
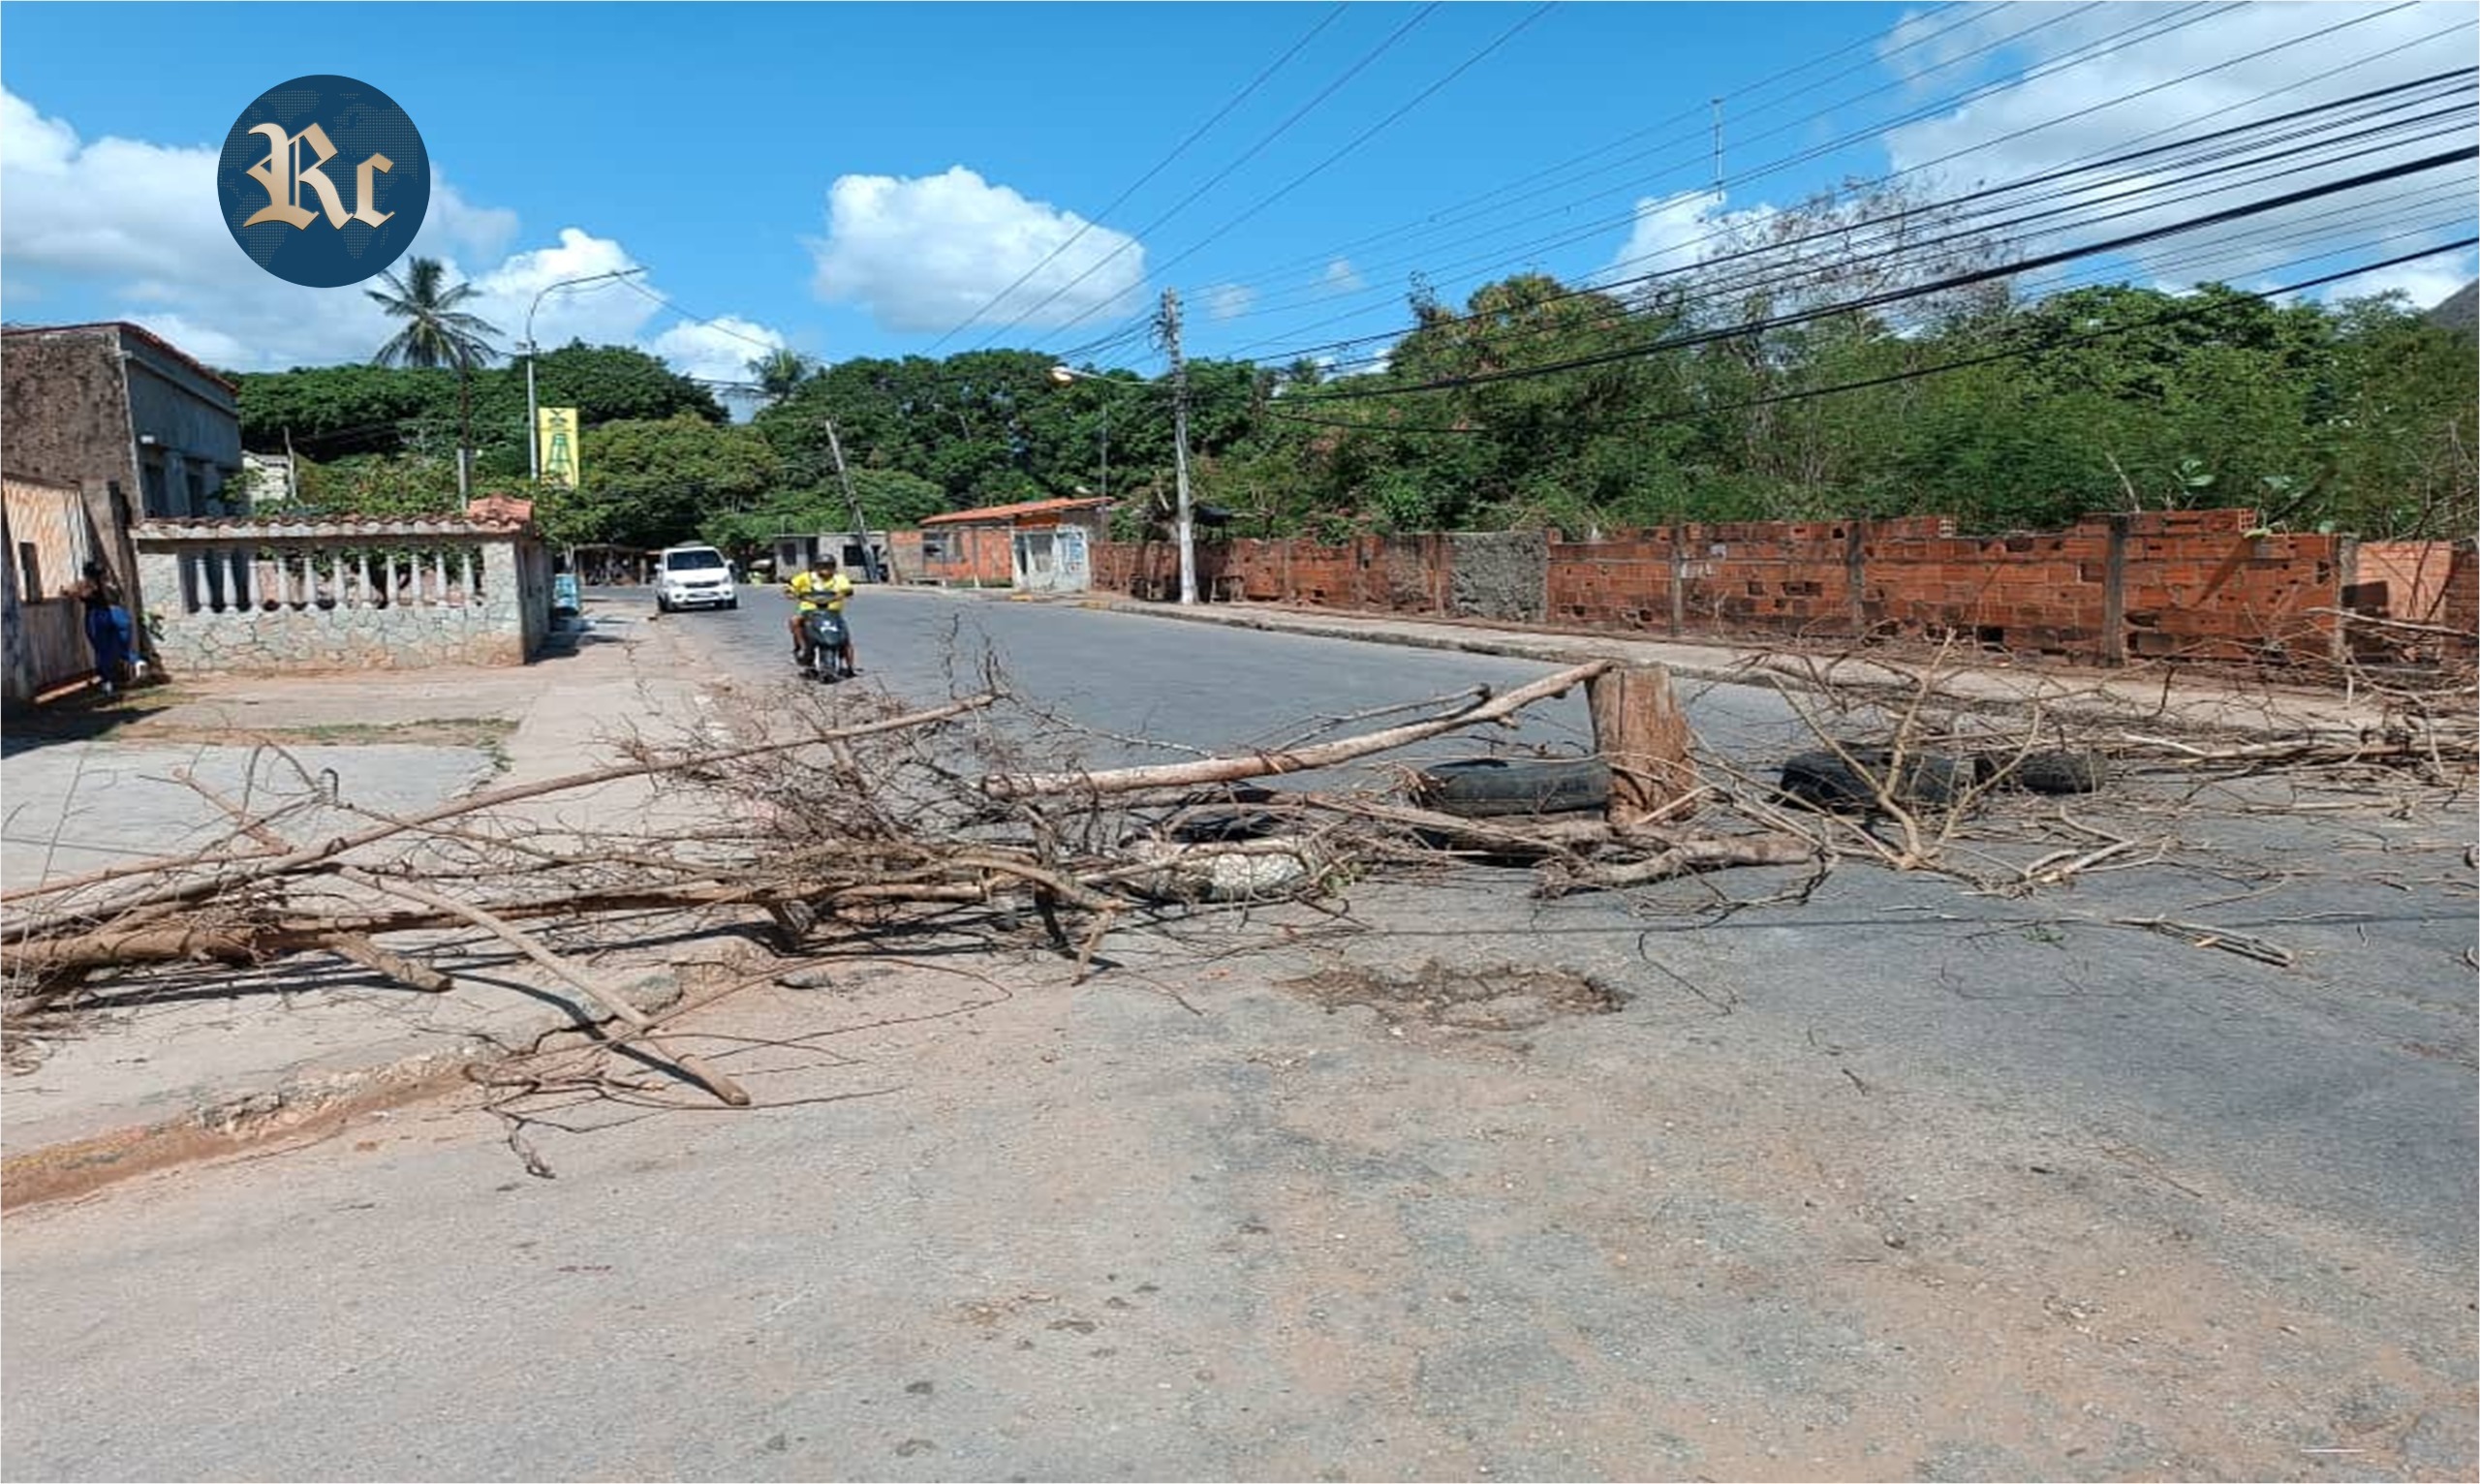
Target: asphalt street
{"type": "Point", "coordinates": [1127, 678]}
{"type": "Point", "coordinates": [1886, 1179]}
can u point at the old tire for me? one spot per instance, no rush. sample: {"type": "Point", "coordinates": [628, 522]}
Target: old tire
{"type": "Point", "coordinates": [1478, 788]}
{"type": "Point", "coordinates": [1827, 781]}
{"type": "Point", "coordinates": [2057, 771]}
{"type": "Point", "coordinates": [1223, 826]}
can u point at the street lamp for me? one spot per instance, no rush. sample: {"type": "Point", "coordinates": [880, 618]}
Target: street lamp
{"type": "Point", "coordinates": [533, 418]}
{"type": "Point", "coordinates": [1065, 375]}
{"type": "Point", "coordinates": [1184, 525]}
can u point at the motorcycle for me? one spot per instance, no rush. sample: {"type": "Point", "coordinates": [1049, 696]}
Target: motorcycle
{"type": "Point", "coordinates": [827, 655]}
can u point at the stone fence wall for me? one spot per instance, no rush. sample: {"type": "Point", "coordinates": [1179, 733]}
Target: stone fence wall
{"type": "Point", "coordinates": [251, 597]}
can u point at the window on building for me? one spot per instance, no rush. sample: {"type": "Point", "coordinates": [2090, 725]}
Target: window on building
{"type": "Point", "coordinates": [30, 573]}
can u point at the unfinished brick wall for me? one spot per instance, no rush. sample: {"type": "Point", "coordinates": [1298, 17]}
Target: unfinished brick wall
{"type": "Point", "coordinates": [967, 555]}
{"type": "Point", "coordinates": [2433, 585]}
{"type": "Point", "coordinates": [2175, 585]}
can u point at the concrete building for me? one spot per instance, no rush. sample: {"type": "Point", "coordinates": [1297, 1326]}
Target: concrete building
{"type": "Point", "coordinates": [93, 405]}
{"type": "Point", "coordinates": [863, 554]}
{"type": "Point", "coordinates": [120, 414]}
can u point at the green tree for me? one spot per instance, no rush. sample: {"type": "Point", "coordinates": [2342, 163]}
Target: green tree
{"type": "Point", "coordinates": [436, 332]}
{"type": "Point", "coordinates": [779, 372]}
{"type": "Point", "coordinates": [649, 483]}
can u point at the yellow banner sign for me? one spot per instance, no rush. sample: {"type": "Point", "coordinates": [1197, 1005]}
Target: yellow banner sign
{"type": "Point", "coordinates": [556, 428]}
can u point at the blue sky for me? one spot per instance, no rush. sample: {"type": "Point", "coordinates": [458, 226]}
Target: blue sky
{"type": "Point", "coordinates": [857, 180]}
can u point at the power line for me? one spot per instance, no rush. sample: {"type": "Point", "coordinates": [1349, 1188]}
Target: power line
{"type": "Point", "coordinates": [1496, 259]}
{"type": "Point", "coordinates": [1355, 142]}
{"type": "Point", "coordinates": [1542, 187]}
{"type": "Point", "coordinates": [1921, 372]}
{"type": "Point", "coordinates": [1842, 232]}
{"type": "Point", "coordinates": [1253, 151]}
{"type": "Point", "coordinates": [1177, 150]}
{"type": "Point", "coordinates": [1957, 281]}
{"type": "Point", "coordinates": [1570, 237]}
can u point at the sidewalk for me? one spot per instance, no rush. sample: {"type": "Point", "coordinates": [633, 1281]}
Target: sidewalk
{"type": "Point", "coordinates": [2139, 699]}
{"type": "Point", "coordinates": [202, 1065]}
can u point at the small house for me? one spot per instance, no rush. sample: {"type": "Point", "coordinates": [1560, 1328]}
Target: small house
{"type": "Point", "coordinates": [1037, 545]}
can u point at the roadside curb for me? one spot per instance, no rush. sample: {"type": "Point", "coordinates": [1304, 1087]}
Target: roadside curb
{"type": "Point", "coordinates": [215, 1123]}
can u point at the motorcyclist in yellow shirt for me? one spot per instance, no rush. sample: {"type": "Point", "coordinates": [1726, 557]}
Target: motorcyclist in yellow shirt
{"type": "Point", "coordinates": [820, 587]}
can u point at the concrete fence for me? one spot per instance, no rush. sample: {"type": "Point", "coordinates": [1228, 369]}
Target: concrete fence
{"type": "Point", "coordinates": [262, 596]}
{"type": "Point", "coordinates": [2192, 585]}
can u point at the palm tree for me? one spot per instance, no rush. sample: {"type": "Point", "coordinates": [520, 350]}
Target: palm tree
{"type": "Point", "coordinates": [779, 371]}
{"type": "Point", "coordinates": [437, 333]}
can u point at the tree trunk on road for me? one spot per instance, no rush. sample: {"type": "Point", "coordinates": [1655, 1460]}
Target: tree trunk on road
{"type": "Point", "coordinates": [1640, 731]}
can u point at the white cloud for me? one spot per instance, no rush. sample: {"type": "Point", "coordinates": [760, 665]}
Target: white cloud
{"type": "Point", "coordinates": [2426, 285]}
{"type": "Point", "coordinates": [2077, 110]}
{"type": "Point", "coordinates": [137, 223]}
{"type": "Point", "coordinates": [719, 350]}
{"type": "Point", "coordinates": [927, 254]}
{"type": "Point", "coordinates": [1229, 301]}
{"type": "Point", "coordinates": [1671, 232]}
{"type": "Point", "coordinates": [1342, 278]}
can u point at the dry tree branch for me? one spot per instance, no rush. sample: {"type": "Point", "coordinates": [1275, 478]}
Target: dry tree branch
{"type": "Point", "coordinates": [1304, 760]}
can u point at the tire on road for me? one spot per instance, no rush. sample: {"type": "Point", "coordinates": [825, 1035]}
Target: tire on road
{"type": "Point", "coordinates": [2054, 770]}
{"type": "Point", "coordinates": [1228, 826]}
{"type": "Point", "coordinates": [1825, 780]}
{"type": "Point", "coordinates": [1477, 787]}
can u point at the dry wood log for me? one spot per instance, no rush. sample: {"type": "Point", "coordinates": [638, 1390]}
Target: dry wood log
{"type": "Point", "coordinates": [1641, 732]}
{"type": "Point", "coordinates": [359, 948]}
{"type": "Point", "coordinates": [255, 942]}
{"type": "Point", "coordinates": [353, 947]}
{"type": "Point", "coordinates": [1298, 759]}
{"type": "Point", "coordinates": [618, 1005]}
{"type": "Point", "coordinates": [1558, 877]}
{"type": "Point", "coordinates": [225, 875]}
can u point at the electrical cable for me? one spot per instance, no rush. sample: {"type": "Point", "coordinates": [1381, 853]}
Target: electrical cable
{"type": "Point", "coordinates": [1963, 280]}
{"type": "Point", "coordinates": [1570, 237]}
{"type": "Point", "coordinates": [1177, 150]}
{"type": "Point", "coordinates": [1842, 232]}
{"type": "Point", "coordinates": [1918, 373]}
{"type": "Point", "coordinates": [1279, 131]}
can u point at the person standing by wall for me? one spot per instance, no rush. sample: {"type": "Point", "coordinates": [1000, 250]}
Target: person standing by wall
{"type": "Point", "coordinates": [109, 632]}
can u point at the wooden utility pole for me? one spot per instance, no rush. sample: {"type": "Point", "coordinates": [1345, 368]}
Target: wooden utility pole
{"type": "Point", "coordinates": [1640, 731]}
{"type": "Point", "coordinates": [853, 504]}
{"type": "Point", "coordinates": [1183, 525]}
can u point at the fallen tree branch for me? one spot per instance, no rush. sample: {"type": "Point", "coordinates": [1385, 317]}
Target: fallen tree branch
{"type": "Point", "coordinates": [258, 867]}
{"type": "Point", "coordinates": [618, 1005]}
{"type": "Point", "coordinates": [1301, 760]}
{"type": "Point", "coordinates": [1558, 877]}
{"type": "Point", "coordinates": [353, 947]}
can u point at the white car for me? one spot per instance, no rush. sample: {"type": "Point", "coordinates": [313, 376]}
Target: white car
{"type": "Point", "coordinates": [694, 577]}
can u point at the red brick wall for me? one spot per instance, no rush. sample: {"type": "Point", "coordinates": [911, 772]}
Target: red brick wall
{"type": "Point", "coordinates": [2194, 584]}
{"type": "Point", "coordinates": [968, 554]}
{"type": "Point", "coordinates": [2415, 575]}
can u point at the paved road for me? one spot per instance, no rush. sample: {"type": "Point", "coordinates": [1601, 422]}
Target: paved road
{"type": "Point", "coordinates": [1194, 685]}
{"type": "Point", "coordinates": [1888, 1181]}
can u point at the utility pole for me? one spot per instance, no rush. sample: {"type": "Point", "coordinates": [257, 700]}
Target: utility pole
{"type": "Point", "coordinates": [852, 503]}
{"type": "Point", "coordinates": [533, 434]}
{"type": "Point", "coordinates": [1184, 525]}
{"type": "Point", "coordinates": [1717, 147]}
